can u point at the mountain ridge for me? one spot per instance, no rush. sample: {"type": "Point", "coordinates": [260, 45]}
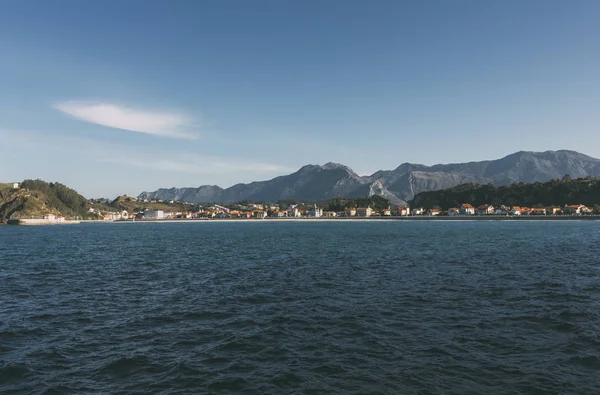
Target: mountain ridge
{"type": "Point", "coordinates": [331, 180]}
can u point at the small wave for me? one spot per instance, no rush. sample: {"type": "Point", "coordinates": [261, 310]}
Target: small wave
{"type": "Point", "coordinates": [591, 362]}
{"type": "Point", "coordinates": [125, 366]}
{"type": "Point", "coordinates": [13, 372]}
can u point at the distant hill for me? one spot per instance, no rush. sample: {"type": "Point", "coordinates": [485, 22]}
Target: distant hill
{"type": "Point", "coordinates": [314, 182]}
{"type": "Point", "coordinates": [132, 205]}
{"type": "Point", "coordinates": [311, 182]}
{"type": "Point", "coordinates": [35, 198]}
{"type": "Point", "coordinates": [557, 192]}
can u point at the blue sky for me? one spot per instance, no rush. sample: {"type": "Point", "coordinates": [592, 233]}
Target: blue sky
{"type": "Point", "coordinates": [113, 97]}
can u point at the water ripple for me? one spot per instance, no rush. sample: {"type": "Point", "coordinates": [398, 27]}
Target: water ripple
{"type": "Point", "coordinates": [305, 308]}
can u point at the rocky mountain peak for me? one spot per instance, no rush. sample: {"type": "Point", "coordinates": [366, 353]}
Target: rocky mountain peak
{"type": "Point", "coordinates": [321, 182]}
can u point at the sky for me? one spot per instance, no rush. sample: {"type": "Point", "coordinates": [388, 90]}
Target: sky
{"type": "Point", "coordinates": [119, 97]}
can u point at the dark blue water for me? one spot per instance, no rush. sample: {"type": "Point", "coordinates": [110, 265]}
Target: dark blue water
{"type": "Point", "coordinates": [310, 308]}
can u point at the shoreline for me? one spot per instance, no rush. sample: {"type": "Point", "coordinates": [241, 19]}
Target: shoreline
{"type": "Point", "coordinates": [384, 219]}
{"type": "Point", "coordinates": [18, 222]}
{"type": "Point", "coordinates": [39, 222]}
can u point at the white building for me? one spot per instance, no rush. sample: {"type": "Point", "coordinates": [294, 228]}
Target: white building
{"type": "Point", "coordinates": [350, 212]}
{"type": "Point", "coordinates": [416, 211]}
{"type": "Point", "coordinates": [576, 209]}
{"type": "Point", "coordinates": [516, 210]}
{"type": "Point", "coordinates": [294, 212]}
{"type": "Point", "coordinates": [111, 216]}
{"type": "Point", "coordinates": [467, 209]}
{"type": "Point", "coordinates": [16, 185]}
{"type": "Point", "coordinates": [261, 214]}
{"type": "Point", "coordinates": [315, 212]}
{"type": "Point", "coordinates": [154, 214]}
{"type": "Point", "coordinates": [485, 209]}
{"type": "Point", "coordinates": [402, 211]}
{"type": "Point", "coordinates": [502, 210]}
{"type": "Point", "coordinates": [364, 212]}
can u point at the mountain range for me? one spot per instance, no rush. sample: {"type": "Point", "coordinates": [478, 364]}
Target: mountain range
{"type": "Point", "coordinates": [315, 182]}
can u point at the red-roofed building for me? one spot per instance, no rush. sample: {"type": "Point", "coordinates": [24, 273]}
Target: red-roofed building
{"type": "Point", "coordinates": [467, 209]}
{"type": "Point", "coordinates": [485, 209]}
{"type": "Point", "coordinates": [576, 209]}
{"type": "Point", "coordinates": [402, 211]}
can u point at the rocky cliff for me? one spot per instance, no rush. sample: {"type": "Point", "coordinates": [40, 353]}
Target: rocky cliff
{"type": "Point", "coordinates": [314, 182]}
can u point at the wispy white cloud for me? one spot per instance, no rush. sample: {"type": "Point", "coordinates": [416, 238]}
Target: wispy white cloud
{"type": "Point", "coordinates": [164, 124]}
{"type": "Point", "coordinates": [168, 165]}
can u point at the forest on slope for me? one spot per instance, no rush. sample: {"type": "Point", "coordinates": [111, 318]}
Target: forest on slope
{"type": "Point", "coordinates": [557, 192]}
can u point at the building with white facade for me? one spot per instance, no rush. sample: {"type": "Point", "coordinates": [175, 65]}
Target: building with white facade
{"type": "Point", "coordinates": [364, 212]}
{"type": "Point", "coordinates": [154, 214]}
{"type": "Point", "coordinates": [315, 212]}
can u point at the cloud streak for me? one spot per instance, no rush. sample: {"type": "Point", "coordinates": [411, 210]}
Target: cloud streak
{"type": "Point", "coordinates": [167, 163]}
{"type": "Point", "coordinates": [162, 124]}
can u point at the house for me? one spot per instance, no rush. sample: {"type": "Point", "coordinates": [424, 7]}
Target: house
{"type": "Point", "coordinates": [315, 212]}
{"type": "Point", "coordinates": [386, 212]}
{"type": "Point", "coordinates": [538, 211]}
{"type": "Point", "coordinates": [502, 210]}
{"type": "Point", "coordinates": [525, 211]}
{"type": "Point", "coordinates": [485, 209]}
{"type": "Point", "coordinates": [555, 210]}
{"type": "Point", "coordinates": [260, 214]}
{"type": "Point", "coordinates": [350, 212]}
{"type": "Point", "coordinates": [329, 214]}
{"type": "Point", "coordinates": [453, 212]}
{"type": "Point", "coordinates": [16, 185]}
{"type": "Point", "coordinates": [364, 212]}
{"type": "Point", "coordinates": [294, 212]}
{"type": "Point", "coordinates": [124, 214]}
{"type": "Point", "coordinates": [154, 214]}
{"type": "Point", "coordinates": [576, 209]}
{"type": "Point", "coordinates": [402, 211]}
{"type": "Point", "coordinates": [246, 214]}
{"type": "Point", "coordinates": [60, 218]}
{"type": "Point", "coordinates": [50, 217]}
{"type": "Point", "coordinates": [516, 210]}
{"type": "Point", "coordinates": [433, 212]}
{"type": "Point", "coordinates": [467, 209]}
{"type": "Point", "coordinates": [416, 211]}
{"type": "Point", "coordinates": [111, 216]}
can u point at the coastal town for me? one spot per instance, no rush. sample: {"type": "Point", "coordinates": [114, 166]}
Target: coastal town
{"type": "Point", "coordinates": [300, 210]}
{"type": "Point", "coordinates": [39, 203]}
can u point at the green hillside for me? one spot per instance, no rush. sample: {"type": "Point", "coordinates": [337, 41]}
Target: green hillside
{"type": "Point", "coordinates": [133, 205]}
{"type": "Point", "coordinates": [35, 198]}
{"type": "Point", "coordinates": [556, 192]}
